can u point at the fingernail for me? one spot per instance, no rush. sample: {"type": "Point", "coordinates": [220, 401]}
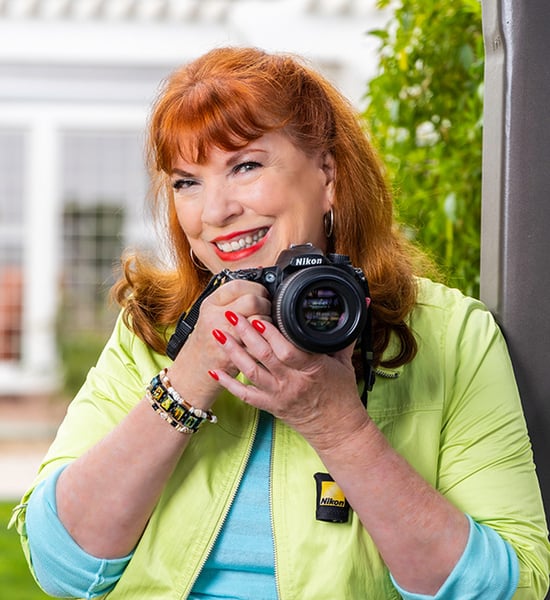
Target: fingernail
{"type": "Point", "coordinates": [219, 335]}
{"type": "Point", "coordinates": [258, 325]}
{"type": "Point", "coordinates": [214, 375]}
{"type": "Point", "coordinates": [231, 317]}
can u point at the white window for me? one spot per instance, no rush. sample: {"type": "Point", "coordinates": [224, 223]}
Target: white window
{"type": "Point", "coordinates": [104, 185]}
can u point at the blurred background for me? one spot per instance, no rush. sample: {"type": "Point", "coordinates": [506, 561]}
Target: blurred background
{"type": "Point", "coordinates": [77, 78]}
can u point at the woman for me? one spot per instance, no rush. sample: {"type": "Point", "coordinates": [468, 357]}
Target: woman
{"type": "Point", "coordinates": [433, 488]}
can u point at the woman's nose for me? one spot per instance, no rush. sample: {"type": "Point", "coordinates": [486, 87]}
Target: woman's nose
{"type": "Point", "coordinates": [220, 205]}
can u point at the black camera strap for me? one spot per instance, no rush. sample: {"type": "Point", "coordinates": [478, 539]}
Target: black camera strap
{"type": "Point", "coordinates": [189, 318]}
{"type": "Point", "coordinates": [367, 357]}
{"type": "Point", "coordinates": [366, 343]}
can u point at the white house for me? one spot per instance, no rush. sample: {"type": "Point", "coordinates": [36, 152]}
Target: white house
{"type": "Point", "coordinates": [76, 81]}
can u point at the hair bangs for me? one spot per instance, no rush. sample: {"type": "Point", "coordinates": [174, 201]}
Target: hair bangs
{"type": "Point", "coordinates": [216, 113]}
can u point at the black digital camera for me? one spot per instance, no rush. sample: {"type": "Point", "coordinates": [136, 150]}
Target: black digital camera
{"type": "Point", "coordinates": [318, 302]}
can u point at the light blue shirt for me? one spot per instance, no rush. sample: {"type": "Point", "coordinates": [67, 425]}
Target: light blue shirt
{"type": "Point", "coordinates": [241, 564]}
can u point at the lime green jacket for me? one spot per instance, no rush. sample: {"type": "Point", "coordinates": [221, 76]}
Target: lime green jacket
{"type": "Point", "coordinates": [454, 413]}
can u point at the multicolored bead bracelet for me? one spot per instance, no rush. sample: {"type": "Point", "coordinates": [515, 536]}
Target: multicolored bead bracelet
{"type": "Point", "coordinates": [176, 411]}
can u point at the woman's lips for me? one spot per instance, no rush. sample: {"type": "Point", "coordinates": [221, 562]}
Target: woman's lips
{"type": "Point", "coordinates": [241, 245]}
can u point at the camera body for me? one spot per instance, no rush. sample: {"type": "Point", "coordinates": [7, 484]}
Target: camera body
{"type": "Point", "coordinates": [319, 302]}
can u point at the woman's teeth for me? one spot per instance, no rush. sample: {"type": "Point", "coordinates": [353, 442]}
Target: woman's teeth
{"type": "Point", "coordinates": [244, 242]}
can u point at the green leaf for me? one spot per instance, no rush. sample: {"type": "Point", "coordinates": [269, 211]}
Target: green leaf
{"type": "Point", "coordinates": [379, 33]}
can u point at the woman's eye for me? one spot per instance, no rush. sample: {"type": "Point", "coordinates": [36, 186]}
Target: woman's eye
{"type": "Point", "coordinates": [246, 166]}
{"type": "Point", "coordinates": [182, 184]}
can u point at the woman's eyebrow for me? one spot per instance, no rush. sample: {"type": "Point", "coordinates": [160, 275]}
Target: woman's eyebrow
{"type": "Point", "coordinates": [239, 154]}
{"type": "Point", "coordinates": [181, 173]}
{"type": "Point", "coordinates": [231, 161]}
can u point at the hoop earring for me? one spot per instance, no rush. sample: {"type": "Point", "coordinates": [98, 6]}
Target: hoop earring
{"type": "Point", "coordinates": [196, 261]}
{"type": "Point", "coordinates": [328, 222]}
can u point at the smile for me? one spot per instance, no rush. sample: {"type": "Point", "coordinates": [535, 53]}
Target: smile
{"type": "Point", "coordinates": [246, 241]}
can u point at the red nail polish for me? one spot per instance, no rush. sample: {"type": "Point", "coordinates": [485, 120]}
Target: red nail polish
{"type": "Point", "coordinates": [258, 325]}
{"type": "Point", "coordinates": [231, 317]}
{"type": "Point", "coordinates": [214, 375]}
{"type": "Point", "coordinates": [219, 335]}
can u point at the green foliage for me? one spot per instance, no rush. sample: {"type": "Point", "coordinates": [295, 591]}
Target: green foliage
{"type": "Point", "coordinates": [16, 581]}
{"type": "Point", "coordinates": [425, 114]}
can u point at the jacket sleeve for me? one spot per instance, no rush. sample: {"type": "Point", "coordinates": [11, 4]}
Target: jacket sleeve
{"type": "Point", "coordinates": [62, 567]}
{"type": "Point", "coordinates": [488, 569]}
{"type": "Point", "coordinates": [112, 387]}
{"type": "Point", "coordinates": [486, 464]}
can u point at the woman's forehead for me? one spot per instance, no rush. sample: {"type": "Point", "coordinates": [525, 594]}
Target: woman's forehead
{"type": "Point", "coordinates": [197, 149]}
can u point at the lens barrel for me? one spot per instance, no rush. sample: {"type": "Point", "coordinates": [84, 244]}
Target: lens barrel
{"type": "Point", "coordinates": [320, 310]}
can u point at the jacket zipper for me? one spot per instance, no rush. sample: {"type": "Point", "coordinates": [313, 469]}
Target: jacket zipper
{"type": "Point", "coordinates": [277, 583]}
{"type": "Point", "coordinates": [386, 374]}
{"type": "Point", "coordinates": [227, 508]}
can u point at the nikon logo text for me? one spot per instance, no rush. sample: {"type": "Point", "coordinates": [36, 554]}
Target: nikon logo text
{"type": "Point", "coordinates": [332, 502]}
{"type": "Point", "coordinates": [306, 261]}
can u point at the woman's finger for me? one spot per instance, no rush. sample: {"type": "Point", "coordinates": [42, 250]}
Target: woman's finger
{"type": "Point", "coordinates": [247, 364]}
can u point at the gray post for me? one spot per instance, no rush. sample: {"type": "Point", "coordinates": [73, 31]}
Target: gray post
{"type": "Point", "coordinates": [515, 245]}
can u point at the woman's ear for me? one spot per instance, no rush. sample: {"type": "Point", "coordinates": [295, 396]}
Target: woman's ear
{"type": "Point", "coordinates": [328, 166]}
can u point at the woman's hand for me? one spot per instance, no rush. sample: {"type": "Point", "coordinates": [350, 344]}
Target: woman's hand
{"type": "Point", "coordinates": [316, 394]}
{"type": "Point", "coordinates": [201, 352]}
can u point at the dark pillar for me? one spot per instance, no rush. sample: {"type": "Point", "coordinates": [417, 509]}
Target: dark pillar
{"type": "Point", "coordinates": [515, 261]}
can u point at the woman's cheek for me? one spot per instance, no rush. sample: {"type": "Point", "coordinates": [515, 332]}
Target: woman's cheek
{"type": "Point", "coordinates": [189, 220]}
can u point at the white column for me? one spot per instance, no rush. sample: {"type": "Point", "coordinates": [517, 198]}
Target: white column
{"type": "Point", "coordinates": [42, 257]}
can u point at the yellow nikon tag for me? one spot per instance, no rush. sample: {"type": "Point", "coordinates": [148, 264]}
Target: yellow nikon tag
{"type": "Point", "coordinates": [332, 505]}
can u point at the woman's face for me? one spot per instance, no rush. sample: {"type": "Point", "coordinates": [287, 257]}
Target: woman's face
{"type": "Point", "coordinates": [241, 208]}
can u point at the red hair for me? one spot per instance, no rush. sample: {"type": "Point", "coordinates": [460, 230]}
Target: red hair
{"type": "Point", "coordinates": [227, 98]}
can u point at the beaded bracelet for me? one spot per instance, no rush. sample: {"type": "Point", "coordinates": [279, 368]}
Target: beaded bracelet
{"type": "Point", "coordinates": [173, 408]}
{"type": "Point", "coordinates": [166, 416]}
{"type": "Point", "coordinates": [208, 415]}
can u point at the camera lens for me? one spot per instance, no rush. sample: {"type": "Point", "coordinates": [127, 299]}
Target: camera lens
{"type": "Point", "coordinates": [321, 309]}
